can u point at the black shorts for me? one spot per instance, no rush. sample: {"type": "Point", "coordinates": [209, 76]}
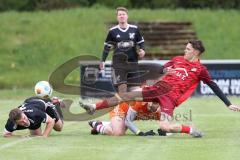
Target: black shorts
{"type": "Point", "coordinates": [122, 69]}
{"type": "Point", "coordinates": [119, 76]}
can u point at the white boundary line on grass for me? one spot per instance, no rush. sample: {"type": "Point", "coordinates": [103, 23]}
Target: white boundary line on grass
{"type": "Point", "coordinates": [7, 145]}
{"type": "Point", "coordinates": [10, 144]}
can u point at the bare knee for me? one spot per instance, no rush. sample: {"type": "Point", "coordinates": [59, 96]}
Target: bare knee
{"type": "Point", "coordinates": [118, 126]}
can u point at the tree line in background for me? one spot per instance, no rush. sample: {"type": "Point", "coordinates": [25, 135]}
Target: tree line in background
{"type": "Point", "coordinates": [32, 5]}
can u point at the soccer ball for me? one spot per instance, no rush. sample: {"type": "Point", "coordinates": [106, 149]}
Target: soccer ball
{"type": "Point", "coordinates": [43, 89]}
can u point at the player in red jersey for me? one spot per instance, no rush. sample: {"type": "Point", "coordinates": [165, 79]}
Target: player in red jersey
{"type": "Point", "coordinates": [182, 75]}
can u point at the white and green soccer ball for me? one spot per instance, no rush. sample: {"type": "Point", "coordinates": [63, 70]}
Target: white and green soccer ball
{"type": "Point", "coordinates": [43, 89]}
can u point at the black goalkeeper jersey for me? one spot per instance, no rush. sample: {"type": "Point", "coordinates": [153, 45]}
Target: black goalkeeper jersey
{"type": "Point", "coordinates": [123, 41]}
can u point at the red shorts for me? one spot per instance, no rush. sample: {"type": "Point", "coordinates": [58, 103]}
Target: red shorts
{"type": "Point", "coordinates": [158, 93]}
{"type": "Point", "coordinates": [167, 105]}
{"type": "Point", "coordinates": [158, 89]}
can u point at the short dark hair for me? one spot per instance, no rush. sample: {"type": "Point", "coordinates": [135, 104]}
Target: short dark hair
{"type": "Point", "coordinates": [198, 45]}
{"type": "Point", "coordinates": [15, 114]}
{"type": "Point", "coordinates": [121, 9]}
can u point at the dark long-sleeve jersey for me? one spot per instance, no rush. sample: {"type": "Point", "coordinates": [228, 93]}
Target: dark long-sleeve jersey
{"type": "Point", "coordinates": [123, 41]}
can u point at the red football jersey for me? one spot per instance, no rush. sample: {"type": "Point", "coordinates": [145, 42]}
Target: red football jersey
{"type": "Point", "coordinates": [184, 78]}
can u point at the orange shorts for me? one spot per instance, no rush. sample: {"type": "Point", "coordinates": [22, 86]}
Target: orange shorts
{"type": "Point", "coordinates": [120, 110]}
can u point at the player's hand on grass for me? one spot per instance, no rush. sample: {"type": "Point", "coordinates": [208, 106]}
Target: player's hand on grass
{"type": "Point", "coordinates": [234, 108]}
{"type": "Point", "coordinates": [141, 134]}
{"type": "Point", "coordinates": [161, 132]}
{"type": "Point", "coordinates": [148, 133]}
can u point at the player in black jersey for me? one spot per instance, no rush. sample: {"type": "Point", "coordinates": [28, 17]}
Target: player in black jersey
{"type": "Point", "coordinates": [30, 115]}
{"type": "Point", "coordinates": [54, 106]}
{"type": "Point", "coordinates": [124, 39]}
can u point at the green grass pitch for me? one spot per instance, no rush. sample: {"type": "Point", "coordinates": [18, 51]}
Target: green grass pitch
{"type": "Point", "coordinates": [221, 140]}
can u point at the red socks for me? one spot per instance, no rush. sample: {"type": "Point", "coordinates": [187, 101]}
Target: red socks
{"type": "Point", "coordinates": [185, 129]}
{"type": "Point", "coordinates": [101, 105]}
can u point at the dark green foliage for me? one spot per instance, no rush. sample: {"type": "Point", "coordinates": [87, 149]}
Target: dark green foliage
{"type": "Point", "coordinates": [29, 5]}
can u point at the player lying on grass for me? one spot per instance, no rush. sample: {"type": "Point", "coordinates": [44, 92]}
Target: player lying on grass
{"type": "Point", "coordinates": [30, 115]}
{"type": "Point", "coordinates": [182, 75]}
{"type": "Point", "coordinates": [33, 112]}
{"type": "Point", "coordinates": [122, 117]}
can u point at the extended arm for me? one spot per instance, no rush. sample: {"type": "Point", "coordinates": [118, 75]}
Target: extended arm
{"type": "Point", "coordinates": [9, 128]}
{"type": "Point", "coordinates": [219, 92]}
{"type": "Point", "coordinates": [49, 126]}
{"type": "Point", "coordinates": [140, 42]}
{"type": "Point", "coordinates": [222, 96]}
{"type": "Point", "coordinates": [107, 46]}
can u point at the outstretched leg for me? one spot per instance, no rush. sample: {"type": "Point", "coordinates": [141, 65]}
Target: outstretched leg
{"type": "Point", "coordinates": [145, 93]}
{"type": "Point", "coordinates": [170, 127]}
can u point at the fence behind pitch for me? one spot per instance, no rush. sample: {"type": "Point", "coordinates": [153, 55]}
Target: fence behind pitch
{"type": "Point", "coordinates": [226, 73]}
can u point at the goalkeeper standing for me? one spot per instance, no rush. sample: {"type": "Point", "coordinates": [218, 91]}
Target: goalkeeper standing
{"type": "Point", "coordinates": [124, 39]}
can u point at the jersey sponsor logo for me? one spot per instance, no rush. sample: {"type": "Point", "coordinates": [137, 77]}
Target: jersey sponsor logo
{"type": "Point", "coordinates": [28, 110]}
{"type": "Point", "coordinates": [118, 36]}
{"type": "Point", "coordinates": [125, 44]}
{"type": "Point", "coordinates": [178, 72]}
{"type": "Point", "coordinates": [131, 35]}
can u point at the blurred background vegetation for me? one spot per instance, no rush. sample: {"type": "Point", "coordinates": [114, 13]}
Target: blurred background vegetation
{"type": "Point", "coordinates": [31, 5]}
